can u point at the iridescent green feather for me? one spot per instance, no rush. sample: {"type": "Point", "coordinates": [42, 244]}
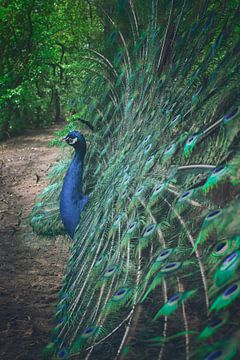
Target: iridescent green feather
{"type": "Point", "coordinates": [169, 152]}
{"type": "Point", "coordinates": [222, 248]}
{"type": "Point", "coordinates": [225, 299]}
{"type": "Point", "coordinates": [156, 194]}
{"type": "Point", "coordinates": [213, 325]}
{"type": "Point", "coordinates": [130, 233]}
{"type": "Point", "coordinates": [183, 202]}
{"type": "Point", "coordinates": [147, 236]}
{"type": "Point", "coordinates": [90, 334]}
{"type": "Point", "coordinates": [121, 296]}
{"type": "Point", "coordinates": [173, 303]}
{"type": "Point", "coordinates": [191, 144]}
{"type": "Point", "coordinates": [210, 223]}
{"type": "Point", "coordinates": [227, 268]}
{"type": "Point", "coordinates": [226, 349]}
{"type": "Point", "coordinates": [164, 254]}
{"type": "Point", "coordinates": [166, 269]}
{"type": "Point", "coordinates": [49, 351]}
{"type": "Point", "coordinates": [218, 176]}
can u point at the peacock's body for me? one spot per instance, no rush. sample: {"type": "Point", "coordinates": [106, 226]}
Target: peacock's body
{"type": "Point", "coordinates": [72, 200]}
{"type": "Point", "coordinates": [154, 271]}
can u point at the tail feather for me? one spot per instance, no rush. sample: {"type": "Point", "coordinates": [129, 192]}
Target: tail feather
{"type": "Point", "coordinates": [154, 270]}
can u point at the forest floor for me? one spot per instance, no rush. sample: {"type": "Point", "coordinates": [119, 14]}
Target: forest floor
{"type": "Point", "coordinates": [31, 268]}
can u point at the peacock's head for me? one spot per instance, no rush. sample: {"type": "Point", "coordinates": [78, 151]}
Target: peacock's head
{"type": "Point", "coordinates": [77, 140]}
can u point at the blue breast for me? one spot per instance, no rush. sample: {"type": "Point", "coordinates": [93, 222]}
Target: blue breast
{"type": "Point", "coordinates": [72, 200]}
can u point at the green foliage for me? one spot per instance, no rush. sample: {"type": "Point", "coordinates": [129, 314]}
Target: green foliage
{"type": "Point", "coordinates": [41, 45]}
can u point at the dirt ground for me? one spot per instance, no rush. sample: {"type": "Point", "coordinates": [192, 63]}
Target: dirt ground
{"type": "Point", "coordinates": [31, 268]}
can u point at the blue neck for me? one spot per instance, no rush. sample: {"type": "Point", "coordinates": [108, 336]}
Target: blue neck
{"type": "Point", "coordinates": [76, 172]}
{"type": "Point", "coordinates": [72, 199]}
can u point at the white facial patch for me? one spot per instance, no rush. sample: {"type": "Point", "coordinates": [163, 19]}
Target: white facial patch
{"type": "Point", "coordinates": [72, 141]}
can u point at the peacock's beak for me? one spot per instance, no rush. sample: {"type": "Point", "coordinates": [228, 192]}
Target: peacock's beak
{"type": "Point", "coordinates": [64, 139]}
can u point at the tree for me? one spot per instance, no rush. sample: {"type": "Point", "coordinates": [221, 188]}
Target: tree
{"type": "Point", "coordinates": [41, 46]}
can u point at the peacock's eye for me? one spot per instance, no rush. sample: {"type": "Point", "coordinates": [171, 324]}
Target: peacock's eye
{"type": "Point", "coordinates": [147, 148]}
{"type": "Point", "coordinates": [221, 248]}
{"type": "Point", "coordinates": [169, 148]}
{"type": "Point", "coordinates": [120, 294]}
{"type": "Point", "coordinates": [231, 115]}
{"type": "Point", "coordinates": [72, 141]}
{"type": "Point", "coordinates": [169, 151]}
{"type": "Point", "coordinates": [151, 158]}
{"type": "Point", "coordinates": [100, 260]}
{"type": "Point", "coordinates": [61, 321]}
{"type": "Point", "coordinates": [117, 220]}
{"type": "Point", "coordinates": [218, 169]}
{"type": "Point", "coordinates": [159, 187]}
{"type": "Point", "coordinates": [149, 230]}
{"type": "Point", "coordinates": [146, 139]}
{"type": "Point", "coordinates": [164, 254]}
{"type": "Point", "coordinates": [62, 354]}
{"type": "Point", "coordinates": [173, 121]}
{"type": "Point", "coordinates": [213, 214]}
{"type": "Point", "coordinates": [126, 180]}
{"type": "Point", "coordinates": [151, 227]}
{"type": "Point", "coordinates": [214, 355]}
{"type": "Point", "coordinates": [139, 190]}
{"type": "Point", "coordinates": [230, 290]}
{"type": "Point", "coordinates": [110, 271]}
{"type": "Point", "coordinates": [170, 267]}
{"type": "Point", "coordinates": [190, 139]}
{"type": "Point", "coordinates": [89, 331]}
{"type": "Point", "coordinates": [132, 227]}
{"type": "Point", "coordinates": [174, 298]}
{"type": "Point", "coordinates": [94, 245]}
{"type": "Point", "coordinates": [185, 195]}
{"type": "Point", "coordinates": [231, 261]}
{"type": "Point", "coordinates": [230, 258]}
{"type": "Point", "coordinates": [215, 322]}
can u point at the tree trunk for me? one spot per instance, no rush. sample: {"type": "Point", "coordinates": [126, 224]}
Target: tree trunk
{"type": "Point", "coordinates": [57, 106]}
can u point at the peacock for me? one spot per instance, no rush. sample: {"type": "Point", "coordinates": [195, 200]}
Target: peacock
{"type": "Point", "coordinates": [154, 270]}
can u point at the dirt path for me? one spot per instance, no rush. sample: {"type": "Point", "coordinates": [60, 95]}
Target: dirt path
{"type": "Point", "coordinates": [31, 268]}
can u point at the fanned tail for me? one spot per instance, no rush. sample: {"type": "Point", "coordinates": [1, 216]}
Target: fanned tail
{"type": "Point", "coordinates": [154, 268]}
